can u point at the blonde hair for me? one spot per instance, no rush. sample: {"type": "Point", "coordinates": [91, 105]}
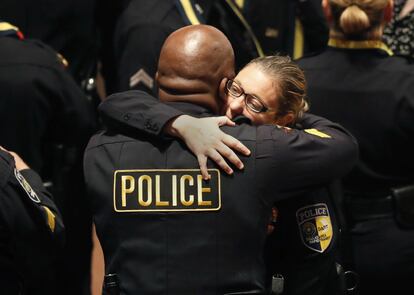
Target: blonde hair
{"type": "Point", "coordinates": [357, 18]}
{"type": "Point", "coordinates": [289, 80]}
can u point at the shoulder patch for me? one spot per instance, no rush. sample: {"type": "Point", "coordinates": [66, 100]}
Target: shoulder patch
{"type": "Point", "coordinates": [318, 133]}
{"type": "Point", "coordinates": [141, 77]}
{"type": "Point", "coordinates": [315, 226]}
{"type": "Point", "coordinates": [26, 186]}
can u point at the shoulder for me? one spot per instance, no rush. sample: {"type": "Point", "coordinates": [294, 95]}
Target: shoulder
{"type": "Point", "coordinates": [29, 52]}
{"type": "Point", "coordinates": [146, 12]}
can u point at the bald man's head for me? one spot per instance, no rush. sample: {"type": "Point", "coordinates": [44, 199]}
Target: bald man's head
{"type": "Point", "coordinates": [193, 61]}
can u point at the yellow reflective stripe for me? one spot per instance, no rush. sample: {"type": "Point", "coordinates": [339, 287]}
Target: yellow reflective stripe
{"type": "Point", "coordinates": [318, 133]}
{"type": "Point", "coordinates": [240, 3]}
{"type": "Point", "coordinates": [6, 26]}
{"type": "Point", "coordinates": [365, 44]}
{"type": "Point", "coordinates": [189, 12]}
{"type": "Point", "coordinates": [298, 44]}
{"type": "Point", "coordinates": [50, 219]}
{"type": "Point", "coordinates": [236, 10]}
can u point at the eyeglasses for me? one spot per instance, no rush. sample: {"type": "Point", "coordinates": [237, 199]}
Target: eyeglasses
{"type": "Point", "coordinates": [252, 102]}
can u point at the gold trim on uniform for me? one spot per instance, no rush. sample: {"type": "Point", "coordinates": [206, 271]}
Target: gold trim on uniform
{"type": "Point", "coordinates": [189, 11]}
{"type": "Point", "coordinates": [299, 42]}
{"type": "Point", "coordinates": [240, 3]}
{"type": "Point", "coordinates": [238, 13]}
{"type": "Point", "coordinates": [365, 44]}
{"type": "Point", "coordinates": [50, 219]}
{"type": "Point", "coordinates": [160, 190]}
{"type": "Point", "coordinates": [6, 26]}
{"type": "Point", "coordinates": [318, 133]}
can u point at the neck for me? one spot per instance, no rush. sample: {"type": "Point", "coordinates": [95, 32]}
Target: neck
{"type": "Point", "coordinates": [374, 34]}
{"type": "Point", "coordinates": [202, 99]}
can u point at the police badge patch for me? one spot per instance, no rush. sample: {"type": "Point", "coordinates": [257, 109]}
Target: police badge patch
{"type": "Point", "coordinates": [315, 226]}
{"type": "Point", "coordinates": [26, 186]}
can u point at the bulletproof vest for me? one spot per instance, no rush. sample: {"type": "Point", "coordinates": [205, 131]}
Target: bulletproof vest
{"type": "Point", "coordinates": [166, 230]}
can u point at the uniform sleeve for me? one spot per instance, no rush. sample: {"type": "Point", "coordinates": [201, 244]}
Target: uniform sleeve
{"type": "Point", "coordinates": [138, 57]}
{"type": "Point", "coordinates": [291, 161]}
{"type": "Point", "coordinates": [136, 111]}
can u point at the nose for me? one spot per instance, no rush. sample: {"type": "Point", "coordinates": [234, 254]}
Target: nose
{"type": "Point", "coordinates": [237, 106]}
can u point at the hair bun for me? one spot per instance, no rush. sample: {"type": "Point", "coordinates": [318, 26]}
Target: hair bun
{"type": "Point", "coordinates": [354, 20]}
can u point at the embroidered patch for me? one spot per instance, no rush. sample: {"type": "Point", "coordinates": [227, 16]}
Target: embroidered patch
{"type": "Point", "coordinates": [161, 190]}
{"type": "Point", "coordinates": [315, 226]}
{"type": "Point", "coordinates": [318, 133]}
{"type": "Point", "coordinates": [26, 186]}
{"type": "Point", "coordinates": [141, 77]}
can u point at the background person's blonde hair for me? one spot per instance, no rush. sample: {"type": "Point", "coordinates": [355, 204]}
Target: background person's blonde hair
{"type": "Point", "coordinates": [357, 18]}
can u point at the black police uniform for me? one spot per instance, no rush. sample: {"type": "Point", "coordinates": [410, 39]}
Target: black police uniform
{"type": "Point", "coordinates": [357, 84]}
{"type": "Point", "coordinates": [306, 259]}
{"type": "Point", "coordinates": [47, 120]}
{"type": "Point", "coordinates": [288, 26]}
{"type": "Point", "coordinates": [164, 229]}
{"type": "Point", "coordinates": [145, 24]}
{"type": "Point", "coordinates": [31, 232]}
{"type": "Point", "coordinates": [69, 27]}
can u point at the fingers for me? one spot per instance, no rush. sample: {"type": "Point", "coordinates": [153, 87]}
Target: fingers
{"type": "Point", "coordinates": [202, 162]}
{"type": "Point", "coordinates": [236, 145]}
{"type": "Point", "coordinates": [218, 159]}
{"type": "Point", "coordinates": [223, 120]}
{"type": "Point", "coordinates": [228, 153]}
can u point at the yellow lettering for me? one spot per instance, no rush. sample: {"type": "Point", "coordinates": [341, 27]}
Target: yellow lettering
{"type": "Point", "coordinates": [190, 180]}
{"type": "Point", "coordinates": [124, 189]}
{"type": "Point", "coordinates": [201, 190]}
{"type": "Point", "coordinates": [158, 201]}
{"type": "Point", "coordinates": [174, 190]}
{"type": "Point", "coordinates": [148, 180]}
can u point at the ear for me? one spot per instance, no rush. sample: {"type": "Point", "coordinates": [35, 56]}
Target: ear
{"type": "Point", "coordinates": [389, 11]}
{"type": "Point", "coordinates": [156, 77]}
{"type": "Point", "coordinates": [327, 11]}
{"type": "Point", "coordinates": [285, 120]}
{"type": "Point", "coordinates": [222, 90]}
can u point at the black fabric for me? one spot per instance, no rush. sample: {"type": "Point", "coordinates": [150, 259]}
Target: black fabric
{"type": "Point", "coordinates": [212, 252]}
{"type": "Point", "coordinates": [69, 27]}
{"type": "Point", "coordinates": [47, 120]}
{"type": "Point", "coordinates": [145, 24]}
{"type": "Point", "coordinates": [372, 95]}
{"type": "Point", "coordinates": [29, 248]}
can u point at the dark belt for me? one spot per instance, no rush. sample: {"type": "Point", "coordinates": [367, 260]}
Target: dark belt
{"type": "Point", "coordinates": [370, 208]}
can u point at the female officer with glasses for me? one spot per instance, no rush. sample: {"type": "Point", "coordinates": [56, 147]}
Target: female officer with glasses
{"type": "Point", "coordinates": [271, 90]}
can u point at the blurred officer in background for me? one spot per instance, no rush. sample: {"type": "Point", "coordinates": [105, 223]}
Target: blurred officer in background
{"type": "Point", "coordinates": [45, 117]}
{"type": "Point", "coordinates": [290, 27]}
{"type": "Point", "coordinates": [145, 24]}
{"type": "Point", "coordinates": [31, 230]}
{"type": "Point", "coordinates": [399, 33]}
{"type": "Point", "coordinates": [357, 83]}
{"type": "Point", "coordinates": [172, 69]}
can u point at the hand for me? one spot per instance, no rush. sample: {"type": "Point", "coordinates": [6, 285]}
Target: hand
{"type": "Point", "coordinates": [20, 164]}
{"type": "Point", "coordinates": [205, 139]}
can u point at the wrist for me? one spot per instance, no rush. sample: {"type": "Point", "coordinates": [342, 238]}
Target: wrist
{"type": "Point", "coordinates": [176, 126]}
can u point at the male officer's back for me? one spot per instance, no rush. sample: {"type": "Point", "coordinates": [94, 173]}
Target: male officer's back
{"type": "Point", "coordinates": [163, 228]}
